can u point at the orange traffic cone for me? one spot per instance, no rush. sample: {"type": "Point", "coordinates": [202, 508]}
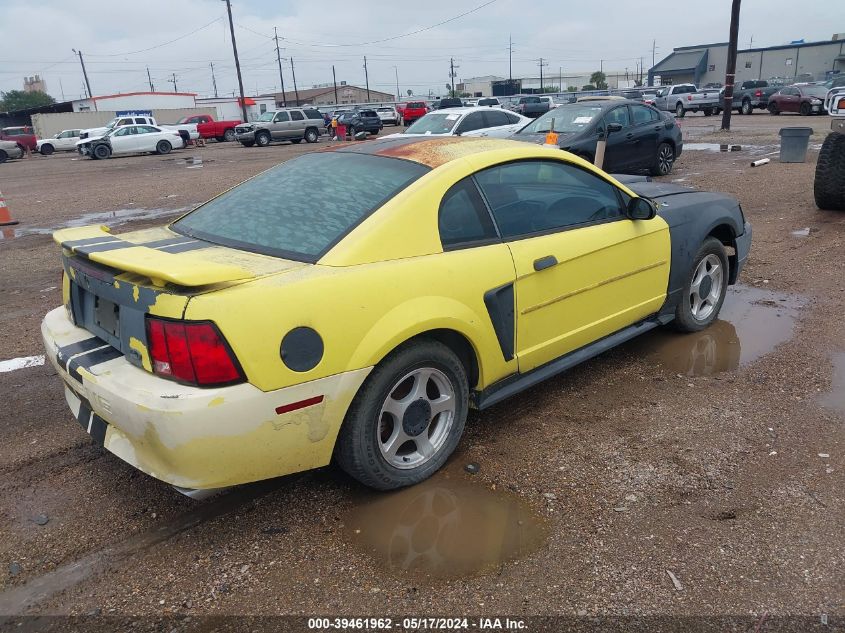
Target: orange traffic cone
{"type": "Point", "coordinates": [5, 214]}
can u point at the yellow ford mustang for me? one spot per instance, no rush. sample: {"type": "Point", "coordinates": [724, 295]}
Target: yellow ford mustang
{"type": "Point", "coordinates": [355, 303]}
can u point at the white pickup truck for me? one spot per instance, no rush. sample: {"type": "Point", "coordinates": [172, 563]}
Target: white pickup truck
{"type": "Point", "coordinates": [186, 131]}
{"type": "Point", "coordinates": [684, 98]}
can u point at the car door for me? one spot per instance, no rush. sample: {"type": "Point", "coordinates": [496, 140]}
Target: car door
{"type": "Point", "coordinates": [618, 153]}
{"type": "Point", "coordinates": [67, 139]}
{"type": "Point", "coordinates": [789, 101]}
{"type": "Point", "coordinates": [147, 137]}
{"type": "Point", "coordinates": [583, 269]}
{"type": "Point", "coordinates": [497, 124]}
{"type": "Point", "coordinates": [279, 126]}
{"type": "Point", "coordinates": [472, 121]}
{"type": "Point", "coordinates": [297, 125]}
{"type": "Point", "coordinates": [123, 140]}
{"type": "Point", "coordinates": [643, 136]}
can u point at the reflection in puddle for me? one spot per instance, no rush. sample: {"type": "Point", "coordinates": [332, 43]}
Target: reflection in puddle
{"type": "Point", "coordinates": [109, 218]}
{"type": "Point", "coordinates": [751, 324]}
{"type": "Point", "coordinates": [445, 527]}
{"type": "Point", "coordinates": [835, 398]}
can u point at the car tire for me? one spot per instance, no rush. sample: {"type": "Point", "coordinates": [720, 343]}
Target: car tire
{"type": "Point", "coordinates": [229, 135]}
{"type": "Point", "coordinates": [262, 139]}
{"type": "Point", "coordinates": [374, 132]}
{"type": "Point", "coordinates": [829, 182]}
{"type": "Point", "coordinates": [247, 143]}
{"type": "Point", "coordinates": [381, 450]}
{"type": "Point", "coordinates": [679, 110]}
{"type": "Point", "coordinates": [296, 141]}
{"type": "Point", "coordinates": [47, 149]}
{"type": "Point", "coordinates": [3, 156]}
{"type": "Point", "coordinates": [101, 152]}
{"type": "Point", "coordinates": [163, 147]}
{"type": "Point", "coordinates": [311, 135]}
{"type": "Point", "coordinates": [694, 312]}
{"type": "Point", "coordinates": [773, 109]}
{"type": "Point", "coordinates": [708, 111]}
{"type": "Point", "coordinates": [746, 108]}
{"type": "Point", "coordinates": [804, 110]}
{"type": "Point", "coordinates": [664, 160]}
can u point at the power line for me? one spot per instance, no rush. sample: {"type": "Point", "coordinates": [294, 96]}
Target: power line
{"type": "Point", "coordinates": [144, 50]}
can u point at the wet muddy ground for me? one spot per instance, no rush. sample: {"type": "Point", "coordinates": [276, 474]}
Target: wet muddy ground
{"type": "Point", "coordinates": [717, 457]}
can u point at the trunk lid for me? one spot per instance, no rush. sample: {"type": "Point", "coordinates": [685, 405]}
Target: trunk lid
{"type": "Point", "coordinates": [112, 282]}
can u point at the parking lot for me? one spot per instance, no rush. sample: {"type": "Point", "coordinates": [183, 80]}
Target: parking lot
{"type": "Point", "coordinates": [695, 474]}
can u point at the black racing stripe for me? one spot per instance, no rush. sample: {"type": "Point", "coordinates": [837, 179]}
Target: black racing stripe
{"type": "Point", "coordinates": [91, 240]}
{"type": "Point", "coordinates": [184, 248]}
{"type": "Point", "coordinates": [64, 353]}
{"type": "Point", "coordinates": [98, 429]}
{"type": "Point", "coordinates": [170, 241]}
{"type": "Point", "coordinates": [99, 248]}
{"type": "Point", "coordinates": [87, 361]}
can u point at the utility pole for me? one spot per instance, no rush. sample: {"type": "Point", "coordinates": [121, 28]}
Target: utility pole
{"type": "Point", "coordinates": [541, 64]}
{"type": "Point", "coordinates": [62, 88]}
{"type": "Point", "coordinates": [653, 51]}
{"type": "Point", "coordinates": [560, 78]}
{"type": "Point", "coordinates": [213, 79]}
{"type": "Point", "coordinates": [730, 71]}
{"type": "Point", "coordinates": [150, 79]}
{"type": "Point", "coordinates": [367, 78]}
{"type": "Point", "coordinates": [173, 81]}
{"type": "Point", "coordinates": [510, 64]}
{"type": "Point", "coordinates": [281, 76]}
{"type": "Point", "coordinates": [452, 73]}
{"type": "Point", "coordinates": [334, 81]}
{"type": "Point", "coordinates": [396, 70]}
{"type": "Point", "coordinates": [237, 61]}
{"type": "Point", "coordinates": [293, 74]}
{"type": "Point", "coordinates": [641, 70]}
{"type": "Point", "coordinates": [85, 74]}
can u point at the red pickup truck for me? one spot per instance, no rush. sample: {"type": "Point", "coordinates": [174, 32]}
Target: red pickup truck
{"type": "Point", "coordinates": [204, 125]}
{"type": "Point", "coordinates": [412, 111]}
{"type": "Point", "coordinates": [23, 136]}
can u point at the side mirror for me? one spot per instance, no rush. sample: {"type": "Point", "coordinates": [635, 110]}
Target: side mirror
{"type": "Point", "coordinates": [641, 209]}
{"type": "Point", "coordinates": [613, 127]}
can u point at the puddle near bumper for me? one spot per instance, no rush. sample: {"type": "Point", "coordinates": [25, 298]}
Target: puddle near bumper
{"type": "Point", "coordinates": [835, 398]}
{"type": "Point", "coordinates": [751, 324]}
{"type": "Point", "coordinates": [109, 218]}
{"type": "Point", "coordinates": [445, 527]}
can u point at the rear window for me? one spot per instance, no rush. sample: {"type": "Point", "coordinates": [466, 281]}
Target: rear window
{"type": "Point", "coordinates": [415, 104]}
{"type": "Point", "coordinates": [313, 114]}
{"type": "Point", "coordinates": [288, 211]}
{"type": "Point", "coordinates": [370, 113]}
{"type": "Point", "coordinates": [17, 131]}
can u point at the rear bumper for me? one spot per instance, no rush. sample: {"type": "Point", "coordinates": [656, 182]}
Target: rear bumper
{"type": "Point", "coordinates": [191, 437]}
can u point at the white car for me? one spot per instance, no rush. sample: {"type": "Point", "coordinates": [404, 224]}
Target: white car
{"type": "Point", "coordinates": [477, 121]}
{"type": "Point", "coordinates": [130, 139]}
{"type": "Point", "coordinates": [115, 123]}
{"type": "Point", "coordinates": [388, 114]}
{"type": "Point", "coordinates": [64, 141]}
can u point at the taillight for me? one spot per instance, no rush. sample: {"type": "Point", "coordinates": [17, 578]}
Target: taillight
{"type": "Point", "coordinates": [758, 93]}
{"type": "Point", "coordinates": [193, 352]}
{"type": "Point", "coordinates": [689, 97]}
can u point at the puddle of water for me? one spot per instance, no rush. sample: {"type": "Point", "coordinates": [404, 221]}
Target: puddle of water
{"type": "Point", "coordinates": [191, 162]}
{"type": "Point", "coordinates": [835, 398]}
{"type": "Point", "coordinates": [805, 232]}
{"type": "Point", "coordinates": [109, 218]}
{"type": "Point", "coordinates": [751, 324]}
{"type": "Point", "coordinates": [445, 527]}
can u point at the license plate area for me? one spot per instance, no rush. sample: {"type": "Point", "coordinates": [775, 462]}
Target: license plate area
{"type": "Point", "coordinates": [107, 316]}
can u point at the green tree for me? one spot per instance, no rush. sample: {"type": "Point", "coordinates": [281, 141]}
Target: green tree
{"type": "Point", "coordinates": [410, 92]}
{"type": "Point", "coordinates": [571, 89]}
{"type": "Point", "coordinates": [599, 80]}
{"type": "Point", "coordinates": [550, 89]}
{"type": "Point", "coordinates": [588, 87]}
{"type": "Point", "coordinates": [20, 100]}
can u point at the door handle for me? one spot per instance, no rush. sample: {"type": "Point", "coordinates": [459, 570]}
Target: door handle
{"type": "Point", "coordinates": [629, 135]}
{"type": "Point", "coordinates": [545, 262]}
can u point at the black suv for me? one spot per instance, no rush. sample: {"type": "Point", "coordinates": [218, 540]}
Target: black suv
{"type": "Point", "coordinates": [449, 103]}
{"type": "Point", "coordinates": [361, 121]}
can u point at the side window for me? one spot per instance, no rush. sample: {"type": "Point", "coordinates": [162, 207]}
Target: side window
{"type": "Point", "coordinates": [512, 118]}
{"type": "Point", "coordinates": [618, 115]}
{"type": "Point", "coordinates": [535, 196]}
{"type": "Point", "coordinates": [125, 122]}
{"type": "Point", "coordinates": [126, 131]}
{"type": "Point", "coordinates": [496, 117]}
{"type": "Point", "coordinates": [642, 114]}
{"type": "Point", "coordinates": [296, 115]}
{"type": "Point", "coordinates": [473, 121]}
{"type": "Point", "coordinates": [463, 219]}
{"type": "Point", "coordinates": [281, 117]}
{"type": "Point", "coordinates": [141, 121]}
{"type": "Point", "coordinates": [147, 129]}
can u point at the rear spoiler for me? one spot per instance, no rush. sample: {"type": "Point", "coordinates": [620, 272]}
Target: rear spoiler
{"type": "Point", "coordinates": [180, 266]}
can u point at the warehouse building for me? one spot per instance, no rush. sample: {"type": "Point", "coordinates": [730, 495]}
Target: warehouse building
{"type": "Point", "coordinates": [706, 63]}
{"type": "Point", "coordinates": [325, 95]}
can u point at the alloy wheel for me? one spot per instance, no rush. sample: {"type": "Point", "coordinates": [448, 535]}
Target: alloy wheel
{"type": "Point", "coordinates": [706, 287]}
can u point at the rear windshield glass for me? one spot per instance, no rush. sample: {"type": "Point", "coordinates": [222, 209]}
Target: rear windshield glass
{"type": "Point", "coordinates": [416, 104]}
{"type": "Point", "coordinates": [289, 210]}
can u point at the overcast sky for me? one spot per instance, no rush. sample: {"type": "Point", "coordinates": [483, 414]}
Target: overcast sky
{"type": "Point", "coordinates": [37, 37]}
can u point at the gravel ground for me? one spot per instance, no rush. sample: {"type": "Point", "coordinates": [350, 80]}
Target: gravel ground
{"type": "Point", "coordinates": [591, 488]}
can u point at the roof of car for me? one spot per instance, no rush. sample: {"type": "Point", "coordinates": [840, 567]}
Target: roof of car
{"type": "Point", "coordinates": [432, 152]}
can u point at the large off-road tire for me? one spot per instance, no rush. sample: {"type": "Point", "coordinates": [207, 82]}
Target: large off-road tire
{"type": "Point", "coordinates": [705, 288]}
{"type": "Point", "coordinates": [311, 135]}
{"type": "Point", "coordinates": [47, 149]}
{"type": "Point", "coordinates": [829, 183]}
{"type": "Point", "coordinates": [407, 418]}
{"type": "Point", "coordinates": [262, 139]}
{"type": "Point", "coordinates": [229, 135]}
{"type": "Point", "coordinates": [664, 159]}
{"type": "Point", "coordinates": [163, 147]}
{"type": "Point", "coordinates": [101, 152]}
{"type": "Point", "coordinates": [679, 110]}
{"type": "Point", "coordinates": [746, 107]}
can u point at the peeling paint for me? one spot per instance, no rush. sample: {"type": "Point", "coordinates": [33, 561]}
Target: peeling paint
{"type": "Point", "coordinates": [136, 291]}
{"type": "Point", "coordinates": [217, 401]}
{"type": "Point", "coordinates": [139, 347]}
